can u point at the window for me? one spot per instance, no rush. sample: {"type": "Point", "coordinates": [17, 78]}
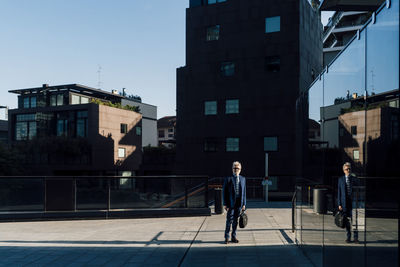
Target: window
{"type": "Point", "coordinates": [170, 130]}
{"type": "Point", "coordinates": [353, 130]}
{"type": "Point", "coordinates": [213, 33]}
{"type": "Point", "coordinates": [60, 100]}
{"type": "Point", "coordinates": [82, 124]}
{"type": "Point", "coordinates": [25, 127]}
{"type": "Point", "coordinates": [170, 135]}
{"type": "Point", "coordinates": [273, 64]}
{"type": "Point", "coordinates": [62, 127]}
{"type": "Point", "coordinates": [84, 100]}
{"type": "Point", "coordinates": [210, 2]}
{"type": "Point", "coordinates": [210, 145]}
{"type": "Point", "coordinates": [232, 106]}
{"type": "Point", "coordinates": [29, 102]}
{"type": "Point", "coordinates": [271, 143]}
{"type": "Point", "coordinates": [356, 154]}
{"type": "Point", "coordinates": [56, 100]}
{"type": "Point", "coordinates": [26, 102]}
{"type": "Point", "coordinates": [272, 24]}
{"type": "Point", "coordinates": [210, 108]}
{"type": "Point", "coordinates": [227, 69]}
{"type": "Point", "coordinates": [33, 101]}
{"type": "Point", "coordinates": [124, 128]}
{"type": "Point", "coordinates": [77, 99]}
{"type": "Point", "coordinates": [121, 152]}
{"type": "Point", "coordinates": [53, 100]}
{"type": "Point", "coordinates": [161, 134]}
{"type": "Point", "coordinates": [232, 144]}
{"type": "Point", "coordinates": [138, 130]}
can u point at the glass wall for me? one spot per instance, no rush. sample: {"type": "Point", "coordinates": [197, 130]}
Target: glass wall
{"type": "Point", "coordinates": [353, 116]}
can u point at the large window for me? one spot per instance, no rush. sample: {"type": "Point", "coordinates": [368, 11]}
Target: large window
{"type": "Point", "coordinates": [232, 144]}
{"type": "Point", "coordinates": [227, 68]}
{"type": "Point", "coordinates": [161, 134]}
{"type": "Point", "coordinates": [232, 106]}
{"type": "Point", "coordinates": [25, 127]}
{"type": "Point", "coordinates": [82, 124]}
{"type": "Point", "coordinates": [271, 143]}
{"type": "Point", "coordinates": [213, 33]}
{"type": "Point", "coordinates": [272, 24]}
{"type": "Point", "coordinates": [210, 108]}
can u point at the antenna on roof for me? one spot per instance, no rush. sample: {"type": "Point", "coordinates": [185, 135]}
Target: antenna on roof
{"type": "Point", "coordinates": [99, 76]}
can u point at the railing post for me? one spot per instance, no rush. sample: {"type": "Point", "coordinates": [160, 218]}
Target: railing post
{"type": "Point", "coordinates": [44, 194]}
{"type": "Point", "coordinates": [108, 194]}
{"type": "Point", "coordinates": [74, 184]}
{"type": "Point", "coordinates": [206, 193]}
{"type": "Point", "coordinates": [186, 193]}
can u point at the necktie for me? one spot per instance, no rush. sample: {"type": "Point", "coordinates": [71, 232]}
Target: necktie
{"type": "Point", "coordinates": [348, 186]}
{"type": "Point", "coordinates": [237, 186]}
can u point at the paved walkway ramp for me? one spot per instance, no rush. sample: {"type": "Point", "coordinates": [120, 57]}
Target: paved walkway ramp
{"type": "Point", "coordinates": [187, 241]}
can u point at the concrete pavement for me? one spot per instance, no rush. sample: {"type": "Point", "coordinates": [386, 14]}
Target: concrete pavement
{"type": "Point", "coordinates": [185, 241]}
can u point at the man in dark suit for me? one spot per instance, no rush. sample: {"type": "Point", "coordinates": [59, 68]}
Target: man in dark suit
{"type": "Point", "coordinates": [234, 197]}
{"type": "Point", "coordinates": [345, 197]}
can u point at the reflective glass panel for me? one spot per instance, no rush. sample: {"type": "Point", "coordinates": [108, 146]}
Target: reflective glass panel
{"type": "Point", "coordinates": [383, 51]}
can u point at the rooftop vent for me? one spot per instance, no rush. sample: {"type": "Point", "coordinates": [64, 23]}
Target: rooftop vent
{"type": "Point", "coordinates": [45, 85]}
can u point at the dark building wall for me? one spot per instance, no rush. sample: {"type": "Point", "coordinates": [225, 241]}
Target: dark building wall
{"type": "Point", "coordinates": [266, 98]}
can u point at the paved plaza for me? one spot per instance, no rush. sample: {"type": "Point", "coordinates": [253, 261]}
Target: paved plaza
{"type": "Point", "coordinates": [180, 241]}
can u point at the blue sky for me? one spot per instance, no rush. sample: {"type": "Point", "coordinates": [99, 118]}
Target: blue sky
{"type": "Point", "coordinates": [137, 43]}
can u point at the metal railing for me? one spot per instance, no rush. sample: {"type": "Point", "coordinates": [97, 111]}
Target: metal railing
{"type": "Point", "coordinates": [48, 194]}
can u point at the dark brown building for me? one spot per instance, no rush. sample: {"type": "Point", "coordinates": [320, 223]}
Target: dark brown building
{"type": "Point", "coordinates": [75, 130]}
{"type": "Point", "coordinates": [246, 63]}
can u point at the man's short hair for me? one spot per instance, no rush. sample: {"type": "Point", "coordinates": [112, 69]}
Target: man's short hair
{"type": "Point", "coordinates": [236, 162]}
{"type": "Point", "coordinates": [348, 164]}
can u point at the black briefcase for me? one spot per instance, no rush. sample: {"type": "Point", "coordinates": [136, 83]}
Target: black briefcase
{"type": "Point", "coordinates": [340, 219]}
{"type": "Point", "coordinates": [243, 219]}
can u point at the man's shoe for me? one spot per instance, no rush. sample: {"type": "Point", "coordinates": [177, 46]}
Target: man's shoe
{"type": "Point", "coordinates": [226, 241]}
{"type": "Point", "coordinates": [356, 241]}
{"type": "Point", "coordinates": [234, 240]}
{"type": "Point", "coordinates": [347, 241]}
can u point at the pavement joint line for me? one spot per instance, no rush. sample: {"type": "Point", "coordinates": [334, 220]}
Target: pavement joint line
{"type": "Point", "coordinates": [187, 250]}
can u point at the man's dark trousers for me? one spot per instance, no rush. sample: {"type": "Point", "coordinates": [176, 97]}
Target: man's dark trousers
{"type": "Point", "coordinates": [232, 218]}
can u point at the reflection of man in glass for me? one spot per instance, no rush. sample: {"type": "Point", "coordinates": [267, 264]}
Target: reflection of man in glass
{"type": "Point", "coordinates": [234, 196]}
{"type": "Point", "coordinates": [345, 193]}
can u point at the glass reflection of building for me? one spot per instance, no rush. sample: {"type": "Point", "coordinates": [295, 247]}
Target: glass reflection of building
{"type": "Point", "coordinates": [354, 103]}
{"type": "Point", "coordinates": [368, 66]}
